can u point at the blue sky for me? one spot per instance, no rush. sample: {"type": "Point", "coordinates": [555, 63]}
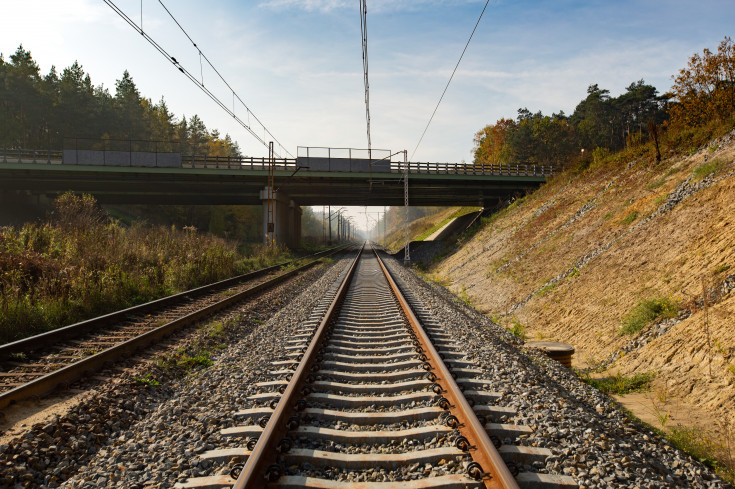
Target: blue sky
{"type": "Point", "coordinates": [297, 63]}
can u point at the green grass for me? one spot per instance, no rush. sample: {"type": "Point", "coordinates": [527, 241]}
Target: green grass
{"type": "Point", "coordinates": [699, 444]}
{"type": "Point", "coordinates": [620, 384]}
{"type": "Point", "coordinates": [147, 379]}
{"type": "Point", "coordinates": [694, 441]}
{"type": "Point", "coordinates": [197, 354]}
{"type": "Point", "coordinates": [706, 169]}
{"type": "Point", "coordinates": [704, 448]}
{"type": "Point", "coordinates": [517, 329]}
{"type": "Point", "coordinates": [546, 289]}
{"type": "Point", "coordinates": [656, 183]}
{"type": "Point", "coordinates": [464, 297]}
{"type": "Point", "coordinates": [458, 213]}
{"type": "Point", "coordinates": [648, 311]}
{"type": "Point", "coordinates": [200, 359]}
{"type": "Point", "coordinates": [630, 218]}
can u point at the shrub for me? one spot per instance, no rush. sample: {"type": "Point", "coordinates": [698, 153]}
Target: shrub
{"type": "Point", "coordinates": [648, 311]}
{"type": "Point", "coordinates": [620, 384]}
{"type": "Point", "coordinates": [80, 264]}
{"type": "Point", "coordinates": [517, 329]}
{"type": "Point", "coordinates": [78, 212]}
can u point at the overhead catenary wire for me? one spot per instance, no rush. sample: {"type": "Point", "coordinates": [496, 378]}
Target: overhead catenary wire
{"type": "Point", "coordinates": [363, 30]}
{"type": "Point", "coordinates": [202, 55]}
{"type": "Point", "coordinates": [487, 2]}
{"type": "Point", "coordinates": [200, 83]}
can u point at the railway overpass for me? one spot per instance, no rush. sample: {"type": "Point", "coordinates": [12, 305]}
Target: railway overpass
{"type": "Point", "coordinates": [136, 178]}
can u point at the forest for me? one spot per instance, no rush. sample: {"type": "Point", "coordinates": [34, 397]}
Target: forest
{"type": "Point", "coordinates": [53, 110]}
{"type": "Point", "coordinates": [703, 94]}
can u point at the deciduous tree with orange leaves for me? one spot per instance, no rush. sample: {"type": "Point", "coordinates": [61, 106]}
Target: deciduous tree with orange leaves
{"type": "Point", "coordinates": [705, 89]}
{"type": "Point", "coordinates": [490, 147]}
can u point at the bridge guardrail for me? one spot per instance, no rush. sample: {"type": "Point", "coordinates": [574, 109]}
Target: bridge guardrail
{"type": "Point", "coordinates": [235, 162]}
{"type": "Point", "coordinates": [520, 170]}
{"type": "Point", "coordinates": [56, 157]}
{"type": "Point", "coordinates": [46, 156]}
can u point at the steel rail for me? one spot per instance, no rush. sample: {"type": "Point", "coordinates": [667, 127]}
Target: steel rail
{"type": "Point", "coordinates": [495, 473]}
{"type": "Point", "coordinates": [65, 375]}
{"type": "Point", "coordinates": [53, 337]}
{"type": "Point", "coordinates": [265, 451]}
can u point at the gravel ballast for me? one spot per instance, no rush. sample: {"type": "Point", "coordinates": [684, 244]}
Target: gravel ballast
{"type": "Point", "coordinates": [591, 439]}
{"type": "Point", "coordinates": [128, 434]}
{"type": "Point", "coordinates": [131, 435]}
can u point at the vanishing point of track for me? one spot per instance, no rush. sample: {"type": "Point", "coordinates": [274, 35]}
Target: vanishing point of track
{"type": "Point", "coordinates": [370, 397]}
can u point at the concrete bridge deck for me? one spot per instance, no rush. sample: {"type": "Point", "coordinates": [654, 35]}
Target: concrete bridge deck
{"type": "Point", "coordinates": [218, 182]}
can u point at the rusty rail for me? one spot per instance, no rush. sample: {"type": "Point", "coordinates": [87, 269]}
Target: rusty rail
{"type": "Point", "coordinates": [259, 468]}
{"type": "Point", "coordinates": [495, 473]}
{"type": "Point", "coordinates": [67, 374]}
{"type": "Point", "coordinates": [55, 336]}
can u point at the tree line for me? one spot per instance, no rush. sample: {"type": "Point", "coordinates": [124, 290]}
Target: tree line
{"type": "Point", "coordinates": [703, 92]}
{"type": "Point", "coordinates": [39, 112]}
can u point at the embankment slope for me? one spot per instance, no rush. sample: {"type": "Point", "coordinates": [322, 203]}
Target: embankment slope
{"type": "Point", "coordinates": [572, 259]}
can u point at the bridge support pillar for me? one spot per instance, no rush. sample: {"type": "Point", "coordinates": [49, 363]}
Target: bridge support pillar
{"type": "Point", "coordinates": [286, 219]}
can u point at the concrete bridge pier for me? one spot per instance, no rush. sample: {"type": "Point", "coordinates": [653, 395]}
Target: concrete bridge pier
{"type": "Point", "coordinates": [286, 219]}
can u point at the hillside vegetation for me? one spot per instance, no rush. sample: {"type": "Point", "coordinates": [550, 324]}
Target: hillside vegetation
{"type": "Point", "coordinates": [80, 264]}
{"type": "Point", "coordinates": [629, 258]}
{"type": "Point", "coordinates": [419, 228]}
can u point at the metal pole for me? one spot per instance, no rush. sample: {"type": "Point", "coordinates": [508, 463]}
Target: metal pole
{"type": "Point", "coordinates": [330, 224]}
{"type": "Point", "coordinates": [385, 234]}
{"type": "Point", "coordinates": [407, 251]}
{"type": "Point", "coordinates": [270, 195]}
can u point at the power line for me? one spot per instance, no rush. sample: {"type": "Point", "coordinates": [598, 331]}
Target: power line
{"type": "Point", "coordinates": [200, 83]}
{"type": "Point", "coordinates": [363, 30]}
{"type": "Point", "coordinates": [450, 79]}
{"type": "Point", "coordinates": [234, 94]}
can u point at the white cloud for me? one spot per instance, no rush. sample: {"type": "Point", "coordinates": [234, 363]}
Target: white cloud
{"type": "Point", "coordinates": [374, 6]}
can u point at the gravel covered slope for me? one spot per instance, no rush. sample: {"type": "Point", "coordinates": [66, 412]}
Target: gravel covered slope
{"type": "Point", "coordinates": [592, 440]}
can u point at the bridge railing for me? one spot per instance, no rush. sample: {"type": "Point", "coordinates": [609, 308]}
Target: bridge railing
{"type": "Point", "coordinates": [46, 156]}
{"type": "Point", "coordinates": [287, 164]}
{"type": "Point", "coordinates": [518, 170]}
{"type": "Point", "coordinates": [236, 162]}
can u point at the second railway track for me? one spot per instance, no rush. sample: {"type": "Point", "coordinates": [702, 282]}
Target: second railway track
{"type": "Point", "coordinates": [35, 366]}
{"type": "Point", "coordinates": [369, 396]}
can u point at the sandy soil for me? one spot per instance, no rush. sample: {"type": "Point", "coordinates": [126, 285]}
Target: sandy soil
{"type": "Point", "coordinates": [18, 417]}
{"type": "Point", "coordinates": [572, 259]}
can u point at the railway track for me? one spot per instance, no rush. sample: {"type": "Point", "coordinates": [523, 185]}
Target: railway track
{"type": "Point", "coordinates": [35, 366]}
{"type": "Point", "coordinates": [367, 396]}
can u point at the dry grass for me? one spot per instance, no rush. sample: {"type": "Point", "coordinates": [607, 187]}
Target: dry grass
{"type": "Point", "coordinates": [81, 264]}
